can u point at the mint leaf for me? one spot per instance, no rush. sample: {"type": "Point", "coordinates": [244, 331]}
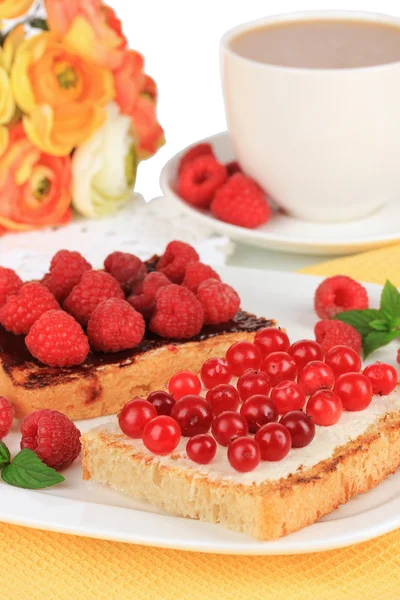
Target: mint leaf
{"type": "Point", "coordinates": [394, 323]}
{"type": "Point", "coordinates": [4, 455]}
{"type": "Point", "coordinates": [29, 472]}
{"type": "Point", "coordinates": [360, 319]}
{"type": "Point", "coordinates": [390, 302]}
{"type": "Point", "coordinates": [380, 325]}
{"type": "Point", "coordinates": [376, 339]}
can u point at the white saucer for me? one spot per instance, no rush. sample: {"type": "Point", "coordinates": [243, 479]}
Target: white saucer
{"type": "Point", "coordinates": [286, 233]}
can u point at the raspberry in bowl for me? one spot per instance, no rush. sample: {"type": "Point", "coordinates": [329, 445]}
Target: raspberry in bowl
{"type": "Point", "coordinates": [228, 194]}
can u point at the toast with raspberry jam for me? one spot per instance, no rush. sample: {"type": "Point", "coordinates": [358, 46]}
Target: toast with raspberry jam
{"type": "Point", "coordinates": [104, 382]}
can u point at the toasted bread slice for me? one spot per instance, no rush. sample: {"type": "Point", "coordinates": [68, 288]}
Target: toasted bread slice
{"type": "Point", "coordinates": [105, 382]}
{"type": "Point", "coordinates": [275, 499]}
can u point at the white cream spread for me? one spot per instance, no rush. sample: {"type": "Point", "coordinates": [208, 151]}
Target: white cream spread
{"type": "Point", "coordinates": [323, 446]}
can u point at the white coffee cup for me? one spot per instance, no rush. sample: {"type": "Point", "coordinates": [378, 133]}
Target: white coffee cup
{"type": "Point", "coordinates": [325, 143]}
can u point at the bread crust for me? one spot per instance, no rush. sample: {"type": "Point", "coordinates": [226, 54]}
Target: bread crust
{"type": "Point", "coordinates": [266, 511]}
{"type": "Point", "coordinates": [105, 388]}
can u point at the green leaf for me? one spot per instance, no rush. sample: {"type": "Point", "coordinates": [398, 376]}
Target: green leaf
{"type": "Point", "coordinates": [376, 339]}
{"type": "Point", "coordinates": [394, 323]}
{"type": "Point", "coordinates": [390, 302]}
{"type": "Point", "coordinates": [38, 23]}
{"type": "Point", "coordinates": [29, 472]}
{"type": "Point", "coordinates": [360, 319]}
{"type": "Point", "coordinates": [4, 455]}
{"type": "Point", "coordinates": [380, 325]}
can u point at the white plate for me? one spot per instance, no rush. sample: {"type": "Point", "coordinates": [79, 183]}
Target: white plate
{"type": "Point", "coordinates": [90, 509]}
{"type": "Point", "coordinates": [286, 233]}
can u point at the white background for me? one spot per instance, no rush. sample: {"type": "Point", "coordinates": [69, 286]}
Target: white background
{"type": "Point", "coordinates": [180, 42]}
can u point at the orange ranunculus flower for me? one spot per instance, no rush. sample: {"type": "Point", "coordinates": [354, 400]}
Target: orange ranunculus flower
{"type": "Point", "coordinates": [148, 131]}
{"type": "Point", "coordinates": [114, 23]}
{"type": "Point", "coordinates": [136, 95]}
{"type": "Point", "coordinates": [150, 88]}
{"type": "Point", "coordinates": [35, 188]}
{"type": "Point", "coordinates": [128, 80]}
{"type": "Point", "coordinates": [7, 101]}
{"type": "Point", "coordinates": [62, 95]}
{"type": "Point", "coordinates": [10, 9]}
{"type": "Point", "coordinates": [3, 139]}
{"type": "Point", "coordinates": [88, 27]}
{"type": "Point", "coordinates": [60, 14]}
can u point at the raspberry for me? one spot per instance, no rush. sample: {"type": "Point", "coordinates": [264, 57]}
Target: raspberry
{"type": "Point", "coordinates": [114, 325]}
{"type": "Point", "coordinates": [126, 268]}
{"type": "Point", "coordinates": [337, 294]}
{"type": "Point", "coordinates": [144, 301]}
{"type": "Point", "coordinates": [178, 314]}
{"type": "Point", "coordinates": [200, 179]}
{"type": "Point", "coordinates": [46, 280]}
{"type": "Point", "coordinates": [196, 273]}
{"type": "Point", "coordinates": [177, 256]}
{"type": "Point", "coordinates": [22, 310]}
{"type": "Point", "coordinates": [52, 436]}
{"type": "Point", "coordinates": [219, 300]}
{"type": "Point", "coordinates": [57, 340]}
{"type": "Point", "coordinates": [232, 168]}
{"type": "Point", "coordinates": [153, 282]}
{"type": "Point", "coordinates": [241, 202]}
{"type": "Point", "coordinates": [335, 333]}
{"type": "Point", "coordinates": [93, 288]}
{"type": "Point", "coordinates": [66, 270]}
{"type": "Point", "coordinates": [6, 417]}
{"type": "Point", "coordinates": [143, 304]}
{"type": "Point", "coordinates": [193, 153]}
{"type": "Point", "coordinates": [10, 283]}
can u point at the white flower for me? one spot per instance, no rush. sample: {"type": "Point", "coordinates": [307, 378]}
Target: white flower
{"type": "Point", "coordinates": [104, 167]}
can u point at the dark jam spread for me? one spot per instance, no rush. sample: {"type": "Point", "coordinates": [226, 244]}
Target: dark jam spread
{"type": "Point", "coordinates": [15, 355]}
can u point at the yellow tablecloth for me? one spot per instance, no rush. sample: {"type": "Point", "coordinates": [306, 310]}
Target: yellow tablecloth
{"type": "Point", "coordinates": [37, 565]}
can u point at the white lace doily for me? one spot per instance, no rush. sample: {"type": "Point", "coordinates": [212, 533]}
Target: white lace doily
{"type": "Point", "coordinates": [140, 228]}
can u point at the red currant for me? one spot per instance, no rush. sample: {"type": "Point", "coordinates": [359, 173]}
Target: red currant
{"type": "Point", "coordinates": [287, 396]}
{"type": "Point", "coordinates": [253, 382]}
{"type": "Point", "coordinates": [354, 390]}
{"type": "Point", "coordinates": [304, 351]}
{"type": "Point", "coordinates": [201, 448]}
{"type": "Point", "coordinates": [300, 426]}
{"type": "Point", "coordinates": [258, 410]}
{"type": "Point", "coordinates": [271, 340]}
{"type": "Point", "coordinates": [324, 407]}
{"type": "Point", "coordinates": [274, 441]}
{"type": "Point", "coordinates": [162, 402]}
{"type": "Point", "coordinates": [215, 371]}
{"type": "Point", "coordinates": [242, 356]}
{"type": "Point", "coordinates": [343, 359]}
{"type": "Point", "coordinates": [135, 415]}
{"type": "Point", "coordinates": [314, 376]}
{"type": "Point", "coordinates": [279, 366]}
{"type": "Point", "coordinates": [244, 454]}
{"type": "Point", "coordinates": [228, 426]}
{"type": "Point", "coordinates": [383, 378]}
{"type": "Point", "coordinates": [193, 414]}
{"type": "Point", "coordinates": [223, 397]}
{"type": "Point", "coordinates": [184, 383]}
{"type": "Point", "coordinates": [161, 435]}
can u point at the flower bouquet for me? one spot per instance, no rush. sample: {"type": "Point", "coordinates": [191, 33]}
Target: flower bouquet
{"type": "Point", "coordinates": [77, 112]}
